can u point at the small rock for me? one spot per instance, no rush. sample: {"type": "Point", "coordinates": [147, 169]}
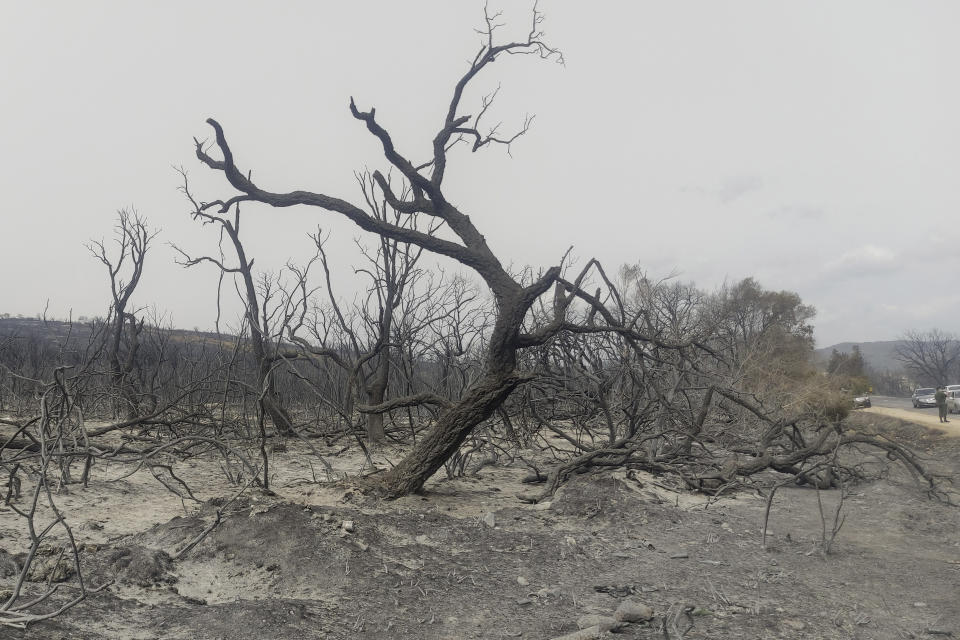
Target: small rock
{"type": "Point", "coordinates": [542, 506]}
{"type": "Point", "coordinates": [423, 539]}
{"type": "Point", "coordinates": [796, 625]}
{"type": "Point", "coordinates": [548, 592]}
{"type": "Point", "coordinates": [490, 520]}
{"type": "Point", "coordinates": [522, 581]}
{"type": "Point", "coordinates": [936, 631]}
{"type": "Point", "coordinates": [347, 526]}
{"type": "Point", "coordinates": [8, 564]}
{"type": "Point", "coordinates": [633, 611]}
{"type": "Point", "coordinates": [570, 540]}
{"type": "Point", "coordinates": [590, 633]}
{"type": "Point", "coordinates": [919, 604]}
{"type": "Point", "coordinates": [524, 601]}
{"type": "Point", "coordinates": [51, 569]}
{"type": "Point", "coordinates": [605, 623]}
{"type": "Point", "coordinates": [361, 545]}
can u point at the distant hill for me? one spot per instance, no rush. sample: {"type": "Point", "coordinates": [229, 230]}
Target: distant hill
{"type": "Point", "coordinates": [58, 330]}
{"type": "Point", "coordinates": [880, 356]}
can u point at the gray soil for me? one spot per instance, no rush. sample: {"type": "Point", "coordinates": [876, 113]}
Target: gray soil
{"type": "Point", "coordinates": [432, 566]}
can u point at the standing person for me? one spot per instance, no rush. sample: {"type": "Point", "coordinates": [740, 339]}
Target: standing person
{"type": "Point", "coordinates": [941, 398]}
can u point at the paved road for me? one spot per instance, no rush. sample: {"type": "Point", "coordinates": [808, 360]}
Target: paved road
{"type": "Point", "coordinates": [895, 403]}
{"type": "Point", "coordinates": [902, 408]}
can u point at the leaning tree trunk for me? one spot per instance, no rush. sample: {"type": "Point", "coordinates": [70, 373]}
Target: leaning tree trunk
{"type": "Point", "coordinates": [479, 402]}
{"type": "Point", "coordinates": [446, 436]}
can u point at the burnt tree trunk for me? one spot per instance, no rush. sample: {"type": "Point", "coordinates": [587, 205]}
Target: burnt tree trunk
{"type": "Point", "coordinates": [270, 400]}
{"type": "Point", "coordinates": [376, 393]}
{"type": "Point", "coordinates": [480, 401]}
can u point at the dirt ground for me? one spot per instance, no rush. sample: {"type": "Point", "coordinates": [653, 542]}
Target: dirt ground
{"type": "Point", "coordinates": [928, 419]}
{"type": "Point", "coordinates": [469, 560]}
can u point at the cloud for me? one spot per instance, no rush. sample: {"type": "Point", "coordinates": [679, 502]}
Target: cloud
{"type": "Point", "coordinates": [868, 260]}
{"type": "Point", "coordinates": [737, 187]}
{"type": "Point", "coordinates": [730, 189]}
{"type": "Point", "coordinates": [796, 212]}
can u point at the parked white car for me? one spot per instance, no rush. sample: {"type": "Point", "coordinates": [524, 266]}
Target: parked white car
{"type": "Point", "coordinates": [953, 400]}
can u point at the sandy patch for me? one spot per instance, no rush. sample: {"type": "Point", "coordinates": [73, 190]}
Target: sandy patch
{"type": "Point", "coordinates": [929, 420]}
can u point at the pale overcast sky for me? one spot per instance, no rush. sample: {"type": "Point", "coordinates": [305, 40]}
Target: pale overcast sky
{"type": "Point", "coordinates": [812, 145]}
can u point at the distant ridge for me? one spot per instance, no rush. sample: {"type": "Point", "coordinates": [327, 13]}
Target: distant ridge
{"type": "Point", "coordinates": [59, 329]}
{"type": "Point", "coordinates": [880, 356]}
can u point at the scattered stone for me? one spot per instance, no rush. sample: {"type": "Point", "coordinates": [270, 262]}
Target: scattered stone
{"type": "Point", "coordinates": [590, 633]}
{"type": "Point", "coordinates": [522, 581]}
{"type": "Point", "coordinates": [633, 611]}
{"type": "Point", "coordinates": [605, 623]}
{"type": "Point", "coordinates": [421, 539]}
{"type": "Point", "coordinates": [141, 566]}
{"type": "Point", "coordinates": [570, 540]}
{"type": "Point", "coordinates": [347, 526]}
{"type": "Point", "coordinates": [53, 569]}
{"type": "Point", "coordinates": [360, 544]}
{"type": "Point", "coordinates": [548, 592]}
{"type": "Point", "coordinates": [616, 590]}
{"type": "Point", "coordinates": [8, 564]}
{"type": "Point", "coordinates": [490, 520]}
{"type": "Point", "coordinates": [919, 604]}
{"type": "Point", "coordinates": [542, 506]}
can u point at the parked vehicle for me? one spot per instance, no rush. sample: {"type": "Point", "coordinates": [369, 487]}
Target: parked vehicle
{"type": "Point", "coordinates": [953, 400]}
{"type": "Point", "coordinates": [923, 397]}
{"type": "Point", "coordinates": [861, 402]}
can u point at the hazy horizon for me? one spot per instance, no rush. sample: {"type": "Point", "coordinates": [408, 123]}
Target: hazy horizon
{"type": "Point", "coordinates": [811, 146]}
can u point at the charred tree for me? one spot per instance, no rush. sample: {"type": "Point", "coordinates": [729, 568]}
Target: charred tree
{"type": "Point", "coordinates": [265, 354]}
{"type": "Point", "coordinates": [426, 197]}
{"type": "Point", "coordinates": [132, 239]}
